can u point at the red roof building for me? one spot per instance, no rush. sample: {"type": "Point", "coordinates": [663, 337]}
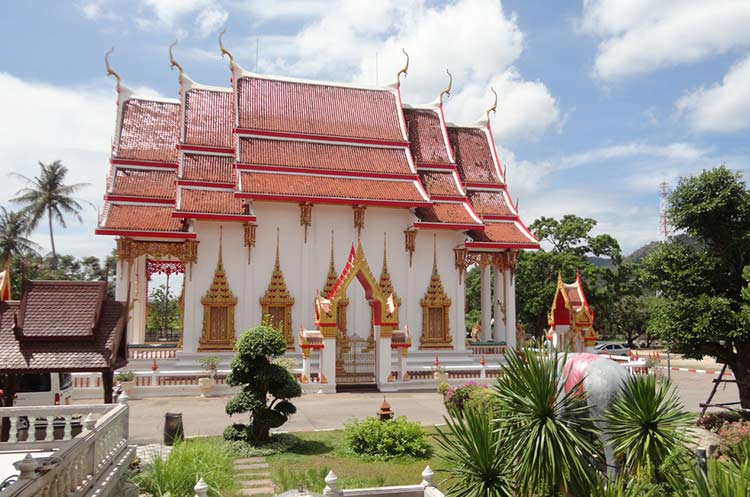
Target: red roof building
{"type": "Point", "coordinates": [571, 320]}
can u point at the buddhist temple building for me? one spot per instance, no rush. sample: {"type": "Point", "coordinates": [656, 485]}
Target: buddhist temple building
{"type": "Point", "coordinates": [571, 321]}
{"type": "Point", "coordinates": [343, 214]}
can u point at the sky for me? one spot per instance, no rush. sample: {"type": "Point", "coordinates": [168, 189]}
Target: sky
{"type": "Point", "coordinates": [600, 101]}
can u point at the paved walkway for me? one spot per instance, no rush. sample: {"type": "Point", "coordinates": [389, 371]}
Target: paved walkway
{"type": "Point", "coordinates": [205, 416]}
{"type": "Point", "coordinates": [253, 476]}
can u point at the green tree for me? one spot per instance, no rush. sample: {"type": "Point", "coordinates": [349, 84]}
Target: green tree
{"type": "Point", "coordinates": [14, 229]}
{"type": "Point", "coordinates": [164, 311]}
{"type": "Point", "coordinates": [48, 195]}
{"type": "Point", "coordinates": [629, 318]}
{"type": "Point", "coordinates": [265, 387]}
{"type": "Point", "coordinates": [704, 309]}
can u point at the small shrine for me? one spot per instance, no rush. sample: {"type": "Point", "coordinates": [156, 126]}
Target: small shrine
{"type": "Point", "coordinates": [571, 320]}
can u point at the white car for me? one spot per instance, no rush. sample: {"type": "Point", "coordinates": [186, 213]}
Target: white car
{"type": "Point", "coordinates": [612, 349]}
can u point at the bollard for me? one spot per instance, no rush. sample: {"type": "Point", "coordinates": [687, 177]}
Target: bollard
{"type": "Point", "coordinates": [173, 430]}
{"type": "Point", "coordinates": [331, 489]}
{"type": "Point", "coordinates": [428, 477]}
{"type": "Point", "coordinates": [702, 460]}
{"type": "Point", "coordinates": [201, 488]}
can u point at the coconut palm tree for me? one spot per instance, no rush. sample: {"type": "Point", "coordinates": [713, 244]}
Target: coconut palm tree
{"type": "Point", "coordinates": [13, 231]}
{"type": "Point", "coordinates": [647, 424]}
{"type": "Point", "coordinates": [547, 431]}
{"type": "Point", "coordinates": [47, 194]}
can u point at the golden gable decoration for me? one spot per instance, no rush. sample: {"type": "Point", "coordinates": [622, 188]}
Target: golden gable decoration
{"type": "Point", "coordinates": [277, 302]}
{"type": "Point", "coordinates": [331, 278]}
{"type": "Point", "coordinates": [218, 311]}
{"type": "Point", "coordinates": [435, 308]}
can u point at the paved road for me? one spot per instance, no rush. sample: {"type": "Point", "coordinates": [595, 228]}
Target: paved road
{"type": "Point", "coordinates": [319, 412]}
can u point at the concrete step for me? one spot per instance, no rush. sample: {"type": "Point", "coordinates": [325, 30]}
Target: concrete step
{"type": "Point", "coordinates": [248, 460]}
{"type": "Point", "coordinates": [244, 467]}
{"type": "Point", "coordinates": [265, 482]}
{"type": "Point", "coordinates": [257, 491]}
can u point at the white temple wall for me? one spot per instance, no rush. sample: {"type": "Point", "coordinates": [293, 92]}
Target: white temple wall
{"type": "Point", "coordinates": [305, 265]}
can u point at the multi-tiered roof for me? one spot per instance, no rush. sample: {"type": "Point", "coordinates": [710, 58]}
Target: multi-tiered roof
{"type": "Point", "coordinates": [214, 151]}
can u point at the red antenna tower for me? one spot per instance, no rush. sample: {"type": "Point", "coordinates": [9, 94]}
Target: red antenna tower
{"type": "Point", "coordinates": [663, 219]}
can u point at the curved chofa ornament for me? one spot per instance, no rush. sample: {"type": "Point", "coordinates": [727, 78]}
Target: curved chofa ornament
{"type": "Point", "coordinates": [224, 51]}
{"type": "Point", "coordinates": [110, 71]}
{"type": "Point", "coordinates": [404, 70]}
{"type": "Point", "coordinates": [172, 62]}
{"type": "Point", "coordinates": [493, 108]}
{"type": "Point", "coordinates": [448, 88]}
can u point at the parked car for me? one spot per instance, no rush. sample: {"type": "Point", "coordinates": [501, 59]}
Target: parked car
{"type": "Point", "coordinates": [612, 349]}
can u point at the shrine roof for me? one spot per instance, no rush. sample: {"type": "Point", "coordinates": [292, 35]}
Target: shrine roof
{"type": "Point", "coordinates": [140, 182]}
{"type": "Point", "coordinates": [287, 105]}
{"type": "Point", "coordinates": [453, 215]}
{"type": "Point", "coordinates": [121, 218]}
{"type": "Point", "coordinates": [474, 154]}
{"type": "Point", "coordinates": [330, 189]}
{"type": "Point", "coordinates": [325, 156]}
{"type": "Point", "coordinates": [207, 168]}
{"type": "Point", "coordinates": [149, 130]}
{"type": "Point", "coordinates": [491, 203]}
{"type": "Point", "coordinates": [209, 117]}
{"type": "Point", "coordinates": [194, 202]}
{"type": "Point", "coordinates": [503, 234]}
{"type": "Point", "coordinates": [427, 137]}
{"type": "Point", "coordinates": [62, 326]}
{"type": "Point", "coordinates": [440, 183]}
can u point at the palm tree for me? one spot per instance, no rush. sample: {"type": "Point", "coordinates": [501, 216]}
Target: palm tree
{"type": "Point", "coordinates": [48, 194]}
{"type": "Point", "coordinates": [13, 230]}
{"type": "Point", "coordinates": [548, 432]}
{"type": "Point", "coordinates": [647, 424]}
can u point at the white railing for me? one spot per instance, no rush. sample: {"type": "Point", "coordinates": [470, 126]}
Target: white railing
{"type": "Point", "coordinates": [88, 444]}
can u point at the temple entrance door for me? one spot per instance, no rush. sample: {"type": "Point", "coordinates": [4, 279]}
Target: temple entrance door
{"type": "Point", "coordinates": [355, 344]}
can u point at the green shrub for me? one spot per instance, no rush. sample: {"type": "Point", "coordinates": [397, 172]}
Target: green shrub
{"type": "Point", "coordinates": [458, 398]}
{"type": "Point", "coordinates": [125, 376]}
{"type": "Point", "coordinates": [733, 436]}
{"type": "Point", "coordinates": [386, 439]}
{"type": "Point", "coordinates": [715, 420]}
{"type": "Point", "coordinates": [188, 461]}
{"type": "Point", "coordinates": [277, 444]}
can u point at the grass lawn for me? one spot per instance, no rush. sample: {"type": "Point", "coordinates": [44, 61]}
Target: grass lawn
{"type": "Point", "coordinates": [319, 452]}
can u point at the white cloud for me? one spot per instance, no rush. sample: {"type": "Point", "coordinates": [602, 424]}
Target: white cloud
{"type": "Point", "coordinates": [673, 152]}
{"type": "Point", "coordinates": [639, 36]}
{"type": "Point", "coordinates": [47, 123]}
{"type": "Point", "coordinates": [722, 108]}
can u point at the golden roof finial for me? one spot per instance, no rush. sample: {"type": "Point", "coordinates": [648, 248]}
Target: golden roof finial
{"type": "Point", "coordinates": [224, 51]}
{"type": "Point", "coordinates": [172, 62]}
{"type": "Point", "coordinates": [494, 104]}
{"type": "Point", "coordinates": [385, 253]}
{"type": "Point", "coordinates": [221, 235]}
{"type": "Point", "coordinates": [404, 70]}
{"type": "Point", "coordinates": [110, 71]}
{"type": "Point", "coordinates": [447, 90]}
{"type": "Point", "coordinates": [434, 252]}
{"type": "Point", "coordinates": [277, 264]}
{"type": "Point", "coordinates": [332, 248]}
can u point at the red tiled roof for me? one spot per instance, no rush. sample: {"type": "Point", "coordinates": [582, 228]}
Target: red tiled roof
{"type": "Point", "coordinates": [207, 168]}
{"type": "Point", "coordinates": [210, 202]}
{"type": "Point", "coordinates": [130, 217]}
{"type": "Point", "coordinates": [502, 232]}
{"type": "Point", "coordinates": [426, 136]}
{"type": "Point", "coordinates": [473, 155]}
{"type": "Point", "coordinates": [489, 203]}
{"type": "Point", "coordinates": [323, 156]}
{"type": "Point", "coordinates": [318, 109]}
{"type": "Point", "coordinates": [445, 212]}
{"type": "Point", "coordinates": [209, 118]}
{"type": "Point", "coordinates": [356, 190]}
{"type": "Point", "coordinates": [149, 131]}
{"type": "Point", "coordinates": [439, 183]}
{"type": "Point", "coordinates": [60, 316]}
{"type": "Point", "coordinates": [144, 182]}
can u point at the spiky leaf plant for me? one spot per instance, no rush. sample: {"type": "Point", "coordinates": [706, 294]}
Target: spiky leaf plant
{"type": "Point", "coordinates": [547, 431]}
{"type": "Point", "coordinates": [647, 425]}
{"type": "Point", "coordinates": [729, 478]}
{"type": "Point", "coordinates": [477, 462]}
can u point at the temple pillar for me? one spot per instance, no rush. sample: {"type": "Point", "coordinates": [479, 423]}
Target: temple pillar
{"type": "Point", "coordinates": [486, 301]}
{"type": "Point", "coordinates": [510, 307]}
{"type": "Point", "coordinates": [459, 336]}
{"type": "Point", "coordinates": [108, 385]}
{"type": "Point", "coordinates": [402, 354]}
{"type": "Point", "coordinates": [306, 364]}
{"type": "Point", "coordinates": [138, 300]}
{"type": "Point", "coordinates": [121, 281]}
{"type": "Point", "coordinates": [498, 331]}
{"type": "Point", "coordinates": [382, 356]}
{"type": "Point", "coordinates": [327, 365]}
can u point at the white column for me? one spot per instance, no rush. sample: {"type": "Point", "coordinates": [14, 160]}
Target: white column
{"type": "Point", "coordinates": [138, 298]}
{"type": "Point", "coordinates": [459, 334]}
{"type": "Point", "coordinates": [382, 357]}
{"type": "Point", "coordinates": [328, 362]}
{"type": "Point", "coordinates": [121, 281]}
{"type": "Point", "coordinates": [510, 308]}
{"type": "Point", "coordinates": [498, 332]}
{"type": "Point", "coordinates": [306, 363]}
{"type": "Point", "coordinates": [402, 353]}
{"type": "Point", "coordinates": [486, 302]}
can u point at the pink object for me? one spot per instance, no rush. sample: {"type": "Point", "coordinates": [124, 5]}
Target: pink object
{"type": "Point", "coordinates": [575, 370]}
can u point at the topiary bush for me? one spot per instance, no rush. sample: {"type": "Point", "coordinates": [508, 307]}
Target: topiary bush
{"type": "Point", "coordinates": [471, 393]}
{"type": "Point", "coordinates": [386, 439]}
{"type": "Point", "coordinates": [715, 420]}
{"type": "Point", "coordinates": [266, 387]}
{"type": "Point", "coordinates": [733, 437]}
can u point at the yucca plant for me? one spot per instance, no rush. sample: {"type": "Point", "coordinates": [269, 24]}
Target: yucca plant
{"type": "Point", "coordinates": [729, 478]}
{"type": "Point", "coordinates": [477, 462]}
{"type": "Point", "coordinates": [624, 487]}
{"type": "Point", "coordinates": [647, 423]}
{"type": "Point", "coordinates": [548, 432]}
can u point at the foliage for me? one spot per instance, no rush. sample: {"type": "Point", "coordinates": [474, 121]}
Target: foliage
{"type": "Point", "coordinates": [14, 228]}
{"type": "Point", "coordinates": [164, 311]}
{"type": "Point", "coordinates": [465, 395]}
{"type": "Point", "coordinates": [703, 310]}
{"type": "Point", "coordinates": [265, 387]}
{"type": "Point", "coordinates": [730, 478]}
{"type": "Point", "coordinates": [646, 423]}
{"type": "Point", "coordinates": [734, 436]}
{"type": "Point", "coordinates": [209, 362]}
{"type": "Point", "coordinates": [624, 487]}
{"type": "Point", "coordinates": [125, 376]}
{"type": "Point", "coordinates": [48, 195]}
{"type": "Point", "coordinates": [386, 439]}
{"type": "Point", "coordinates": [188, 461]}
{"type": "Point", "coordinates": [547, 430]}
{"type": "Point", "coordinates": [278, 443]}
{"type": "Point", "coordinates": [629, 317]}
{"type": "Point", "coordinates": [477, 461]}
{"type": "Point", "coordinates": [30, 266]}
{"type": "Point", "coordinates": [713, 421]}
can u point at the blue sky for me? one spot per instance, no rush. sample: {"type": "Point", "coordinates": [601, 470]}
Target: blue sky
{"type": "Point", "coordinates": [600, 100]}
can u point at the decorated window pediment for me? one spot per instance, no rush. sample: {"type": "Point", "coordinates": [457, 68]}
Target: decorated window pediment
{"type": "Point", "coordinates": [218, 312]}
{"type": "Point", "coordinates": [435, 313]}
{"type": "Point", "coordinates": [277, 302]}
